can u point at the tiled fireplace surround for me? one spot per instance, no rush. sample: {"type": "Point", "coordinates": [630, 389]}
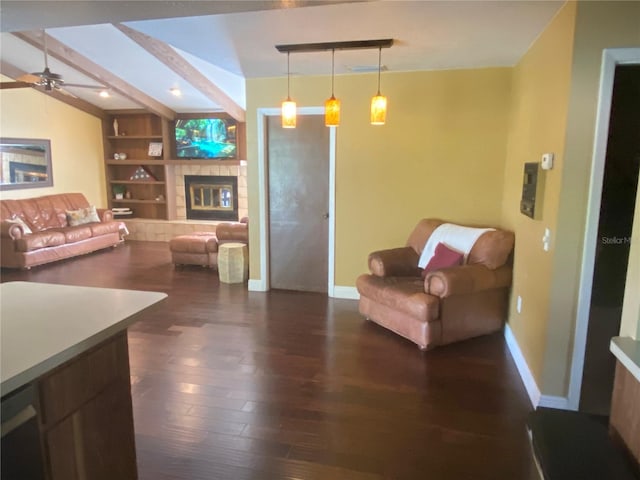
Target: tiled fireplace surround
{"type": "Point", "coordinates": [164, 230]}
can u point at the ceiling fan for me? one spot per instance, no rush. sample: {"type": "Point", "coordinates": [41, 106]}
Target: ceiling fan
{"type": "Point", "coordinates": [46, 79]}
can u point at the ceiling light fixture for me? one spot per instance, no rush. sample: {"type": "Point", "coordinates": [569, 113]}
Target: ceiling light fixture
{"type": "Point", "coordinates": [378, 102]}
{"type": "Point", "coordinates": [175, 91]}
{"type": "Point", "coordinates": [332, 105]}
{"type": "Point", "coordinates": [288, 106]}
{"type": "Point", "coordinates": [104, 94]}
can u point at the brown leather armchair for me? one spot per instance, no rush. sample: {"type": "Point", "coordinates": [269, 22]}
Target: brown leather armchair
{"type": "Point", "coordinates": [447, 305]}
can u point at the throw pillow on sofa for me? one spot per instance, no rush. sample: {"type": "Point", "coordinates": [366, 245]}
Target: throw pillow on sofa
{"type": "Point", "coordinates": [444, 257]}
{"type": "Point", "coordinates": [82, 216]}
{"type": "Point", "coordinates": [19, 221]}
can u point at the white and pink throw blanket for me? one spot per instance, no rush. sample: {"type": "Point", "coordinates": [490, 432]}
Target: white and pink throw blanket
{"type": "Point", "coordinates": [455, 237]}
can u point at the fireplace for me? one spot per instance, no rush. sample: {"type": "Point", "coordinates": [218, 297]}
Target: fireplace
{"type": "Point", "coordinates": [211, 197]}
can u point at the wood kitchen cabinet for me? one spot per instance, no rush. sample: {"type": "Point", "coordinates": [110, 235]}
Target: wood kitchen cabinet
{"type": "Point", "coordinates": [86, 419]}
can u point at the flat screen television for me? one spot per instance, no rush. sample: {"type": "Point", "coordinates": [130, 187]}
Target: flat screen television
{"type": "Point", "coordinates": [206, 138]}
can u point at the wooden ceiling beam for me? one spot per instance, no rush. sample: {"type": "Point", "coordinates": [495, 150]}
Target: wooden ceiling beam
{"type": "Point", "coordinates": [172, 59]}
{"type": "Point", "coordinates": [92, 70]}
{"type": "Point", "coordinates": [14, 72]}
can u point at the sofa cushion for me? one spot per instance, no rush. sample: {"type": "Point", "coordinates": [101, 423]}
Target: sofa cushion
{"type": "Point", "coordinates": [82, 216]}
{"type": "Point", "coordinates": [492, 249]}
{"type": "Point", "coordinates": [103, 228]}
{"type": "Point", "coordinates": [443, 257]}
{"type": "Point", "coordinates": [74, 234]}
{"type": "Point", "coordinates": [41, 213]}
{"type": "Point", "coordinates": [37, 240]}
{"type": "Point", "coordinates": [400, 293]}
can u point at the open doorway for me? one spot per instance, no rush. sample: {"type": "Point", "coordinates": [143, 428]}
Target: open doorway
{"type": "Point", "coordinates": [615, 223]}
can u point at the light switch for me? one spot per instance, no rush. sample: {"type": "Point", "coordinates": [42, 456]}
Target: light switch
{"type": "Point", "coordinates": [546, 240]}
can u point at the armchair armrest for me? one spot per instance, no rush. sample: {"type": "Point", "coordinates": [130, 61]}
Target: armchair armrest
{"type": "Point", "coordinates": [11, 230]}
{"type": "Point", "coordinates": [466, 279]}
{"type": "Point", "coordinates": [394, 262]}
{"type": "Point", "coordinates": [105, 214]}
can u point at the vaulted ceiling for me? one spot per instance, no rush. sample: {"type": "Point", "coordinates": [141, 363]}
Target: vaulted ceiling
{"type": "Point", "coordinates": [141, 50]}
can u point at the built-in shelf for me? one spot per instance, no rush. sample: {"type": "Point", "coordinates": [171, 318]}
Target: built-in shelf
{"type": "Point", "coordinates": [136, 182]}
{"type": "Point", "coordinates": [135, 200]}
{"type": "Point", "coordinates": [146, 161]}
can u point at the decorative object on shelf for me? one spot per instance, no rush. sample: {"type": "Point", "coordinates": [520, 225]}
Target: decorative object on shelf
{"type": "Point", "coordinates": [160, 198]}
{"type": "Point", "coordinates": [115, 127]}
{"type": "Point", "coordinates": [123, 156]}
{"type": "Point", "coordinates": [118, 191]}
{"type": "Point", "coordinates": [378, 102]}
{"type": "Point", "coordinates": [155, 149]}
{"type": "Point", "coordinates": [143, 173]}
{"type": "Point", "coordinates": [116, 156]}
{"type": "Point", "coordinates": [127, 195]}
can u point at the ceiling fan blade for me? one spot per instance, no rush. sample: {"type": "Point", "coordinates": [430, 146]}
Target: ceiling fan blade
{"type": "Point", "coordinates": [79, 85]}
{"type": "Point", "coordinates": [29, 78]}
{"type": "Point", "coordinates": [7, 85]}
{"type": "Point", "coordinates": [64, 92]}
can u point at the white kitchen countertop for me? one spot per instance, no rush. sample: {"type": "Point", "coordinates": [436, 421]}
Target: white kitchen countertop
{"type": "Point", "coordinates": [43, 325]}
{"type": "Point", "coordinates": [627, 350]}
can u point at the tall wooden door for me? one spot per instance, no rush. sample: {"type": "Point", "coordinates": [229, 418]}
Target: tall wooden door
{"type": "Point", "coordinates": [298, 163]}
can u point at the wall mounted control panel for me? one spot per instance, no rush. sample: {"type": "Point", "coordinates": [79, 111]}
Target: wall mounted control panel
{"type": "Point", "coordinates": [529, 187]}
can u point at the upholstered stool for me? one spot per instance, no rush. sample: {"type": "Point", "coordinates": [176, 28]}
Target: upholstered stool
{"type": "Point", "coordinates": [233, 263]}
{"type": "Point", "coordinates": [198, 248]}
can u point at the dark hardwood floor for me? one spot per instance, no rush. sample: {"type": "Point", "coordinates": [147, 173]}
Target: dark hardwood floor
{"type": "Point", "coordinates": [229, 384]}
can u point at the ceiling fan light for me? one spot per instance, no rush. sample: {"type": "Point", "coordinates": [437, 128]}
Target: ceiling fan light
{"type": "Point", "coordinates": [378, 109]}
{"type": "Point", "coordinates": [332, 112]}
{"type": "Point", "coordinates": [288, 113]}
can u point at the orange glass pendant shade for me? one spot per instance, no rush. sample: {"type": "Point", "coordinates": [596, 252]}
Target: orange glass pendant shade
{"type": "Point", "coordinates": [332, 112]}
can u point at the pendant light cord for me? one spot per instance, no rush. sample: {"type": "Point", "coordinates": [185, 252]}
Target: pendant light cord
{"type": "Point", "coordinates": [288, 76]}
{"type": "Point", "coordinates": [333, 52]}
{"type": "Point", "coordinates": [379, 63]}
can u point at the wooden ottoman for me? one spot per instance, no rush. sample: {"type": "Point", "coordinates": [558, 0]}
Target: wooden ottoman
{"type": "Point", "coordinates": [233, 263]}
{"type": "Point", "coordinates": [198, 248]}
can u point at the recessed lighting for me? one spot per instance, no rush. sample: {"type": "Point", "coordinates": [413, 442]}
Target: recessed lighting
{"type": "Point", "coordinates": [104, 94]}
{"type": "Point", "coordinates": [175, 92]}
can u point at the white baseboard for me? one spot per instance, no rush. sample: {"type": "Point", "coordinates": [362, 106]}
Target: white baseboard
{"type": "Point", "coordinates": [551, 401]}
{"type": "Point", "coordinates": [521, 364]}
{"type": "Point", "coordinates": [350, 293]}
{"type": "Point", "coordinates": [257, 285]}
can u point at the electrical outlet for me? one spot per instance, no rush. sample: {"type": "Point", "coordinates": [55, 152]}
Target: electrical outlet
{"type": "Point", "coordinates": [519, 304]}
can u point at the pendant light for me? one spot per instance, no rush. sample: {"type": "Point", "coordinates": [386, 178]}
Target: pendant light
{"type": "Point", "coordinates": [332, 105]}
{"type": "Point", "coordinates": [288, 106]}
{"type": "Point", "coordinates": [378, 102]}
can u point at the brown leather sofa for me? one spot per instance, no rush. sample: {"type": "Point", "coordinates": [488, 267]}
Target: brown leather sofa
{"type": "Point", "coordinates": [201, 248]}
{"type": "Point", "coordinates": [52, 237]}
{"type": "Point", "coordinates": [446, 306]}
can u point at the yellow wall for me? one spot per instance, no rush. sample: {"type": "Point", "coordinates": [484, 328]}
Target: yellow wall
{"type": "Point", "coordinates": [76, 142]}
{"type": "Point", "coordinates": [539, 104]}
{"type": "Point", "coordinates": [598, 25]}
{"type": "Point", "coordinates": [441, 154]}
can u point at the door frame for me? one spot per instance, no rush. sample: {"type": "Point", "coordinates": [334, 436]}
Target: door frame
{"type": "Point", "coordinates": [611, 58]}
{"type": "Point", "coordinates": [263, 189]}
